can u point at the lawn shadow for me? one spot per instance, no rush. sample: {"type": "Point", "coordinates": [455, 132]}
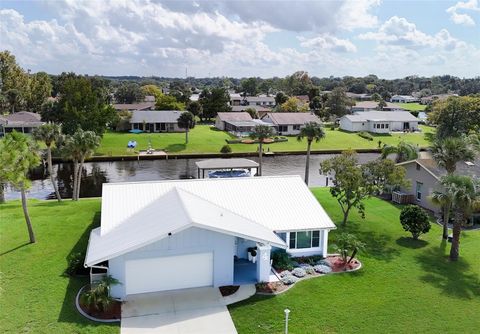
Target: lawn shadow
{"type": "Point", "coordinates": [68, 312]}
{"type": "Point", "coordinates": [15, 248]}
{"type": "Point", "coordinates": [453, 278]}
{"type": "Point", "coordinates": [411, 243]}
{"type": "Point", "coordinates": [175, 147]}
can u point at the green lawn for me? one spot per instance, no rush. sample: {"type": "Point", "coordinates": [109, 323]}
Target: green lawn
{"type": "Point", "coordinates": [412, 106]}
{"type": "Point", "coordinates": [404, 286]}
{"type": "Point", "coordinates": [205, 139]}
{"type": "Point", "coordinates": [34, 295]}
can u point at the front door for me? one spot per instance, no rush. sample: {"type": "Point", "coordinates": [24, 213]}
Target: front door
{"type": "Point", "coordinates": [163, 127]}
{"type": "Point", "coordinates": [406, 126]}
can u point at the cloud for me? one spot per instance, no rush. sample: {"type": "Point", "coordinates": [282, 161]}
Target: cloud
{"type": "Point", "coordinates": [463, 19]}
{"type": "Point", "coordinates": [327, 42]}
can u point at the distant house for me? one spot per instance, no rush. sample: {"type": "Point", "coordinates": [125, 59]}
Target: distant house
{"type": "Point", "coordinates": [379, 122]}
{"type": "Point", "coordinates": [373, 105]}
{"type": "Point", "coordinates": [261, 100]}
{"type": "Point", "coordinates": [134, 106]}
{"type": "Point", "coordinates": [22, 121]}
{"type": "Point", "coordinates": [430, 99]}
{"type": "Point", "coordinates": [224, 117]}
{"type": "Point", "coordinates": [424, 176]}
{"type": "Point", "coordinates": [156, 120]}
{"type": "Point", "coordinates": [403, 99]}
{"type": "Point", "coordinates": [289, 123]}
{"type": "Point", "coordinates": [303, 98]}
{"type": "Point", "coordinates": [359, 97]}
{"type": "Point", "coordinates": [235, 99]}
{"type": "Point", "coordinates": [149, 98]}
{"type": "Point", "coordinates": [238, 123]}
{"type": "Point", "coordinates": [261, 111]}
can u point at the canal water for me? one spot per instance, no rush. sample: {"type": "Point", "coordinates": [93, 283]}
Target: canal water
{"type": "Point", "coordinates": [94, 174]}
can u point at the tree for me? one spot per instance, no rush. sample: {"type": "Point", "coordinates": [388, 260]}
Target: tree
{"type": "Point", "coordinates": [347, 243]}
{"type": "Point", "coordinates": [77, 148]}
{"type": "Point", "coordinates": [129, 92]}
{"type": "Point", "coordinates": [250, 86]}
{"type": "Point", "coordinates": [404, 151]}
{"type": "Point", "coordinates": [385, 175]}
{"type": "Point", "coordinates": [350, 185]}
{"type": "Point", "coordinates": [280, 98]}
{"type": "Point", "coordinates": [195, 108]}
{"type": "Point", "coordinates": [98, 296]}
{"type": "Point", "coordinates": [260, 133]}
{"type": "Point", "coordinates": [39, 89]}
{"type": "Point", "coordinates": [252, 112]}
{"type": "Point", "coordinates": [381, 104]}
{"type": "Point", "coordinates": [14, 99]}
{"type": "Point", "coordinates": [445, 199]}
{"type": "Point", "coordinates": [186, 121]}
{"type": "Point", "coordinates": [298, 83]}
{"type": "Point", "coordinates": [449, 151]}
{"type": "Point", "coordinates": [19, 154]}
{"type": "Point", "coordinates": [152, 90]}
{"type": "Point", "coordinates": [414, 220]}
{"type": "Point", "coordinates": [168, 102]}
{"type": "Point", "coordinates": [312, 131]}
{"type": "Point", "coordinates": [12, 76]}
{"type": "Point", "coordinates": [213, 101]}
{"type": "Point", "coordinates": [316, 103]}
{"type": "Point", "coordinates": [49, 133]}
{"type": "Point", "coordinates": [376, 97]}
{"type": "Point", "coordinates": [338, 102]}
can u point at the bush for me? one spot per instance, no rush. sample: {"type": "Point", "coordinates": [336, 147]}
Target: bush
{"type": "Point", "coordinates": [322, 269]}
{"type": "Point", "coordinates": [414, 113]}
{"type": "Point", "coordinates": [323, 263]}
{"type": "Point", "coordinates": [289, 280]}
{"type": "Point", "coordinates": [414, 220]}
{"type": "Point", "coordinates": [98, 296]}
{"type": "Point", "coordinates": [299, 272]}
{"type": "Point", "coordinates": [75, 264]}
{"type": "Point", "coordinates": [226, 149]}
{"type": "Point", "coordinates": [365, 135]}
{"type": "Point", "coordinates": [281, 259]}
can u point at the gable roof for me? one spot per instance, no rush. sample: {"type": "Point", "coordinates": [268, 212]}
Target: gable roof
{"type": "Point", "coordinates": [374, 105]}
{"type": "Point", "coordinates": [471, 169]}
{"type": "Point", "coordinates": [285, 118]}
{"type": "Point", "coordinates": [155, 116]}
{"type": "Point", "coordinates": [234, 116]}
{"type": "Point", "coordinates": [21, 118]}
{"type": "Point", "coordinates": [134, 106]}
{"type": "Point", "coordinates": [368, 116]}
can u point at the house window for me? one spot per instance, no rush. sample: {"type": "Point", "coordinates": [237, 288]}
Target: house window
{"type": "Point", "coordinates": [304, 239]}
{"type": "Point", "coordinates": [282, 128]}
{"type": "Point", "coordinates": [418, 191]}
{"type": "Point", "coordinates": [383, 126]}
{"type": "Point", "coordinates": [296, 127]}
{"type": "Point", "coordinates": [386, 126]}
{"type": "Point", "coordinates": [283, 236]}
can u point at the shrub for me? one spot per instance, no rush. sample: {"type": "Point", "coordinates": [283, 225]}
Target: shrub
{"type": "Point", "coordinates": [226, 149]}
{"type": "Point", "coordinates": [299, 272]}
{"type": "Point", "coordinates": [414, 220]}
{"type": "Point", "coordinates": [365, 135]}
{"type": "Point", "coordinates": [414, 113]}
{"type": "Point", "coordinates": [98, 296]}
{"type": "Point", "coordinates": [75, 264]}
{"type": "Point", "coordinates": [281, 259]}
{"type": "Point", "coordinates": [323, 263]}
{"type": "Point", "coordinates": [322, 269]}
{"type": "Point", "coordinates": [287, 280]}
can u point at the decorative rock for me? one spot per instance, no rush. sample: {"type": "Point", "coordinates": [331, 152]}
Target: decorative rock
{"type": "Point", "coordinates": [289, 279]}
{"type": "Point", "coordinates": [285, 273]}
{"type": "Point", "coordinates": [308, 268]}
{"type": "Point", "coordinates": [323, 263]}
{"type": "Point", "coordinates": [299, 272]}
{"type": "Point", "coordinates": [322, 269]}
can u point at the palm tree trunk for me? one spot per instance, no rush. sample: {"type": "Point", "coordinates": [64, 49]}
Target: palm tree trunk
{"type": "Point", "coordinates": [2, 192]}
{"type": "Point", "coordinates": [79, 179]}
{"type": "Point", "coordinates": [446, 218]}
{"type": "Point", "coordinates": [457, 229]}
{"type": "Point", "coordinates": [260, 156]}
{"type": "Point", "coordinates": [307, 164]}
{"type": "Point", "coordinates": [75, 176]}
{"type": "Point", "coordinates": [50, 171]}
{"type": "Point", "coordinates": [31, 235]}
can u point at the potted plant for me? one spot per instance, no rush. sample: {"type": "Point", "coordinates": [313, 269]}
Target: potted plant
{"type": "Point", "coordinates": [254, 255]}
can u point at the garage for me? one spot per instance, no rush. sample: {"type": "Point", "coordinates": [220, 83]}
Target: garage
{"type": "Point", "coordinates": [169, 273]}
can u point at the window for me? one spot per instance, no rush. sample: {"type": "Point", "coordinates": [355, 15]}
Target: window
{"type": "Point", "coordinates": [383, 126]}
{"type": "Point", "coordinates": [386, 126]}
{"type": "Point", "coordinates": [419, 191]}
{"type": "Point", "coordinates": [283, 236]}
{"type": "Point", "coordinates": [296, 127]}
{"type": "Point", "coordinates": [304, 239]}
{"type": "Point", "coordinates": [282, 128]}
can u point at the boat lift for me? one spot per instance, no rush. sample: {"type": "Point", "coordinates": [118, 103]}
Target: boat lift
{"type": "Point", "coordinates": [231, 165]}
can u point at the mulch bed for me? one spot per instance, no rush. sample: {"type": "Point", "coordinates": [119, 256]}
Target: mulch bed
{"type": "Point", "coordinates": [271, 287]}
{"type": "Point", "coordinates": [228, 290]}
{"type": "Point", "coordinates": [113, 312]}
{"type": "Point", "coordinates": [337, 264]}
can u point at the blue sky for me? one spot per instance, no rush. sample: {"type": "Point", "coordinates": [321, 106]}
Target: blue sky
{"type": "Point", "coordinates": [244, 38]}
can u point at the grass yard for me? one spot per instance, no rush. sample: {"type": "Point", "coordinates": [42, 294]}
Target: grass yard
{"type": "Point", "coordinates": [35, 297]}
{"type": "Point", "coordinates": [412, 106]}
{"type": "Point", "coordinates": [205, 139]}
{"type": "Point", "coordinates": [404, 286]}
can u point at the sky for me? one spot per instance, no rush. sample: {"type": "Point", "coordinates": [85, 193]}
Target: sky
{"type": "Point", "coordinates": [391, 39]}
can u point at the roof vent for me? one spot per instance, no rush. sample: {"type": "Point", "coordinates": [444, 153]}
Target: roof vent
{"type": "Point", "coordinates": [469, 163]}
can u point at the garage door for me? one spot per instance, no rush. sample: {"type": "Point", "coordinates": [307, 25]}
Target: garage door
{"type": "Point", "coordinates": [169, 273]}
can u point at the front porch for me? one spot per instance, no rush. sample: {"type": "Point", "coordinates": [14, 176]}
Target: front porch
{"type": "Point", "coordinates": [245, 272]}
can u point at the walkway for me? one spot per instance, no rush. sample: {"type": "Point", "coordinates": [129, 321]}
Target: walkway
{"type": "Point", "coordinates": [199, 311]}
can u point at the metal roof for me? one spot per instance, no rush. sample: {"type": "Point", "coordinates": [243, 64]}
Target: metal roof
{"type": "Point", "coordinates": [134, 106]}
{"type": "Point", "coordinates": [21, 118]}
{"type": "Point", "coordinates": [155, 116]}
{"type": "Point", "coordinates": [226, 163]}
{"type": "Point", "coordinates": [252, 123]}
{"type": "Point", "coordinates": [179, 210]}
{"type": "Point", "coordinates": [386, 116]}
{"type": "Point", "coordinates": [285, 118]}
{"type": "Point", "coordinates": [234, 116]}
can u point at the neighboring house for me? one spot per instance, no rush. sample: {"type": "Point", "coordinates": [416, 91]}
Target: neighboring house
{"type": "Point", "coordinates": [424, 176]}
{"type": "Point", "coordinates": [170, 235]}
{"type": "Point", "coordinates": [262, 111]}
{"type": "Point", "coordinates": [379, 122]}
{"type": "Point", "coordinates": [261, 100]}
{"type": "Point", "coordinates": [156, 120]}
{"type": "Point", "coordinates": [373, 105]}
{"type": "Point", "coordinates": [194, 97]}
{"type": "Point", "coordinates": [231, 116]}
{"type": "Point", "coordinates": [289, 123]}
{"type": "Point", "coordinates": [237, 123]}
{"type": "Point", "coordinates": [359, 97]}
{"type": "Point", "coordinates": [22, 121]}
{"type": "Point", "coordinates": [235, 99]}
{"type": "Point", "coordinates": [134, 106]}
{"type": "Point", "coordinates": [149, 98]}
{"type": "Point", "coordinates": [403, 99]}
{"type": "Point", "coordinates": [430, 99]}
{"type": "Point", "coordinates": [304, 99]}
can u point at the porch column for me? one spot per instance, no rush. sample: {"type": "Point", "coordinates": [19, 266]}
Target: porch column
{"type": "Point", "coordinates": [325, 243]}
{"type": "Point", "coordinates": [263, 262]}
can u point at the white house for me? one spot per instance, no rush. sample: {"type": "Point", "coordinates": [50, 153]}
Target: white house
{"type": "Point", "coordinates": [403, 99]}
{"type": "Point", "coordinates": [156, 120]}
{"type": "Point", "coordinates": [231, 116]}
{"type": "Point", "coordinates": [373, 105]}
{"type": "Point", "coordinates": [290, 123]}
{"type": "Point", "coordinates": [168, 235]}
{"type": "Point", "coordinates": [261, 100]}
{"type": "Point", "coordinates": [379, 122]}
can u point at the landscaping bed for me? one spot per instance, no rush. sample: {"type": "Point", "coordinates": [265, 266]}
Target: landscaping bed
{"type": "Point", "coordinates": [252, 141]}
{"type": "Point", "coordinates": [114, 312]}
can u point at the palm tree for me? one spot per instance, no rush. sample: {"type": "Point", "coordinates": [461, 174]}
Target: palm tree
{"type": "Point", "coordinates": [49, 133]}
{"type": "Point", "coordinates": [186, 121]}
{"type": "Point", "coordinates": [466, 197]}
{"type": "Point", "coordinates": [261, 132]}
{"type": "Point", "coordinates": [14, 98]}
{"type": "Point", "coordinates": [381, 104]}
{"type": "Point", "coordinates": [448, 152]}
{"type": "Point", "coordinates": [77, 148]}
{"type": "Point", "coordinates": [19, 154]}
{"type": "Point", "coordinates": [445, 199]}
{"type": "Point", "coordinates": [404, 151]}
{"type": "Point", "coordinates": [312, 131]}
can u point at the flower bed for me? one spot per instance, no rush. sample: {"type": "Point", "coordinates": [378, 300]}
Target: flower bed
{"type": "Point", "coordinates": [111, 314]}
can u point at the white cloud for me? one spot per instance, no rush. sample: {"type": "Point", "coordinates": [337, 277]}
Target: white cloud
{"type": "Point", "coordinates": [463, 19]}
{"type": "Point", "coordinates": [327, 42]}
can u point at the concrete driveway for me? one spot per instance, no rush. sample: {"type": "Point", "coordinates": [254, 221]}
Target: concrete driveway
{"type": "Point", "coordinates": [189, 311]}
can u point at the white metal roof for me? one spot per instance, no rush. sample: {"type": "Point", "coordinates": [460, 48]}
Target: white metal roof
{"type": "Point", "coordinates": [386, 116]}
{"type": "Point", "coordinates": [226, 163]}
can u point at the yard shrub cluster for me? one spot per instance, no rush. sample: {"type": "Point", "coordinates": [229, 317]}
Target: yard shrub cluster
{"type": "Point", "coordinates": [226, 149]}
{"type": "Point", "coordinates": [365, 135]}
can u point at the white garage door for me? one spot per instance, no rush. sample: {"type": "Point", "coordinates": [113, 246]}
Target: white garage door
{"type": "Point", "coordinates": [169, 273]}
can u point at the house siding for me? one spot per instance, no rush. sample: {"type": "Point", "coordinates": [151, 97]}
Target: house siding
{"type": "Point", "coordinates": [192, 240]}
{"type": "Point", "coordinates": [430, 184]}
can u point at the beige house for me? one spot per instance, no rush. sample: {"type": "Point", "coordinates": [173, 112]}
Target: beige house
{"type": "Point", "coordinates": [156, 120]}
{"type": "Point", "coordinates": [22, 121]}
{"type": "Point", "coordinates": [289, 123]}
